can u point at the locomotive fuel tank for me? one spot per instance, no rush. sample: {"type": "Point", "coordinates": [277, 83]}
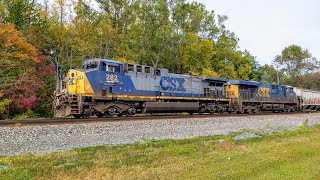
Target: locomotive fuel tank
{"type": "Point", "coordinates": [158, 107]}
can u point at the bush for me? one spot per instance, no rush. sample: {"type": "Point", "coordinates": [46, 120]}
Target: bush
{"type": "Point", "coordinates": [29, 114]}
{"type": "Point", "coordinates": [3, 105]}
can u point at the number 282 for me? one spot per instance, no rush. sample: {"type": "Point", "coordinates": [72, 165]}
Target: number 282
{"type": "Point", "coordinates": [111, 78]}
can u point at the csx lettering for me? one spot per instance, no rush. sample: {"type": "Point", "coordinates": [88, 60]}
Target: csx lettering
{"type": "Point", "coordinates": [71, 81]}
{"type": "Point", "coordinates": [263, 92]}
{"type": "Point", "coordinates": [172, 84]}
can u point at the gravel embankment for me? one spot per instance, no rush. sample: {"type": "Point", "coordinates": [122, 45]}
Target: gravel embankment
{"type": "Point", "coordinates": [43, 139]}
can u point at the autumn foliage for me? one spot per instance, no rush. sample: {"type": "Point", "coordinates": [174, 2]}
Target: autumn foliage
{"type": "Point", "coordinates": [23, 70]}
{"type": "Point", "coordinates": [14, 46]}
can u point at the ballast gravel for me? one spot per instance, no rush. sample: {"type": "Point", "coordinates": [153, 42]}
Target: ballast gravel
{"type": "Point", "coordinates": [52, 138]}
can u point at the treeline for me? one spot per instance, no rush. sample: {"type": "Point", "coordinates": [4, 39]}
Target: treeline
{"type": "Point", "coordinates": [295, 66]}
{"type": "Point", "coordinates": [41, 40]}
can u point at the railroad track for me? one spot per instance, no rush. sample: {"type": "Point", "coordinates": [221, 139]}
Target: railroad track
{"type": "Point", "coordinates": [128, 118]}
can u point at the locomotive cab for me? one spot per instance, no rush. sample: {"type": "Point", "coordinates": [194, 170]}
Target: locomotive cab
{"type": "Point", "coordinates": [112, 77]}
{"type": "Point", "coordinates": [106, 76]}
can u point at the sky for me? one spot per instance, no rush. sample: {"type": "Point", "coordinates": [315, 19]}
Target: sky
{"type": "Point", "coordinates": [265, 27]}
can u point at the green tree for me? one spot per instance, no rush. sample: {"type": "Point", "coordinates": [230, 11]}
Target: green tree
{"type": "Point", "coordinates": [3, 107]}
{"type": "Point", "coordinates": [310, 81]}
{"type": "Point", "coordinates": [29, 18]}
{"type": "Point", "coordinates": [148, 37]}
{"type": "Point", "coordinates": [296, 61]}
{"type": "Point", "coordinates": [19, 12]}
{"type": "Point", "coordinates": [268, 74]}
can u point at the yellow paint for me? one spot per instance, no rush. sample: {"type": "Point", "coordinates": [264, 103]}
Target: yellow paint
{"type": "Point", "coordinates": [263, 92]}
{"type": "Point", "coordinates": [232, 91]}
{"type": "Point", "coordinates": [79, 83]}
{"type": "Point", "coordinates": [123, 97]}
{"type": "Point", "coordinates": [87, 86]}
{"type": "Point", "coordinates": [164, 97]}
{"type": "Point", "coordinates": [71, 83]}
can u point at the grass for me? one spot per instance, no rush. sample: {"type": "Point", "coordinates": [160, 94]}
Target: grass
{"type": "Point", "coordinates": [285, 155]}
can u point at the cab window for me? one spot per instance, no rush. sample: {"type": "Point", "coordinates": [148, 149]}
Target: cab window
{"type": "Point", "coordinates": [115, 69]}
{"type": "Point", "coordinates": [139, 68]}
{"type": "Point", "coordinates": [158, 72]}
{"type": "Point", "coordinates": [147, 69]}
{"type": "Point", "coordinates": [90, 65]}
{"type": "Point", "coordinates": [130, 68]}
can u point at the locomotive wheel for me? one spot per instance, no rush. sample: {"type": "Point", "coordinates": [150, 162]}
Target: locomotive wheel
{"type": "Point", "coordinates": [99, 115]}
{"type": "Point", "coordinates": [256, 110]}
{"type": "Point", "coordinates": [240, 111]}
{"type": "Point", "coordinates": [78, 116]}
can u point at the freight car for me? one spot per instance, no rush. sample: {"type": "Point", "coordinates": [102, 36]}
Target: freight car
{"type": "Point", "coordinates": [106, 88]}
{"type": "Point", "coordinates": [308, 100]}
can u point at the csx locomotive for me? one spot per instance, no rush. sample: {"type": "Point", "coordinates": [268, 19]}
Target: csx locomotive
{"type": "Point", "coordinates": [106, 88]}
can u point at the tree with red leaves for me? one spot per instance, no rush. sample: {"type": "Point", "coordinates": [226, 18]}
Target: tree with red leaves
{"type": "Point", "coordinates": [23, 70]}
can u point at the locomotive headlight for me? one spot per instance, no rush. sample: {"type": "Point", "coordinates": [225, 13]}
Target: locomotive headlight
{"type": "Point", "coordinates": [79, 77]}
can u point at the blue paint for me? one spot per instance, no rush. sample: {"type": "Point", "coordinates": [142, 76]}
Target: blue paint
{"type": "Point", "coordinates": [126, 86]}
{"type": "Point", "coordinates": [276, 92]}
{"type": "Point", "coordinates": [172, 84]}
{"type": "Point", "coordinates": [71, 81]}
{"type": "Point", "coordinates": [242, 82]}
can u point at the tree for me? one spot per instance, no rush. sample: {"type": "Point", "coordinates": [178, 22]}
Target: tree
{"type": "Point", "coordinates": [176, 34]}
{"type": "Point", "coordinates": [310, 81]}
{"type": "Point", "coordinates": [28, 18]}
{"type": "Point", "coordinates": [296, 61]}
{"type": "Point", "coordinates": [148, 37]}
{"type": "Point", "coordinates": [196, 56]}
{"type": "Point", "coordinates": [19, 12]}
{"type": "Point", "coordinates": [120, 12]}
{"type": "Point", "coordinates": [268, 74]}
{"type": "Point", "coordinates": [23, 73]}
{"type": "Point", "coordinates": [17, 56]}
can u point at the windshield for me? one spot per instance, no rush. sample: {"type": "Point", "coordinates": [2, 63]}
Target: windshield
{"type": "Point", "coordinates": [90, 64]}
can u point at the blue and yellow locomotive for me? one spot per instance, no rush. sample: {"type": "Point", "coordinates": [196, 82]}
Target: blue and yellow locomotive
{"type": "Point", "coordinates": [249, 96]}
{"type": "Point", "coordinates": [106, 87]}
